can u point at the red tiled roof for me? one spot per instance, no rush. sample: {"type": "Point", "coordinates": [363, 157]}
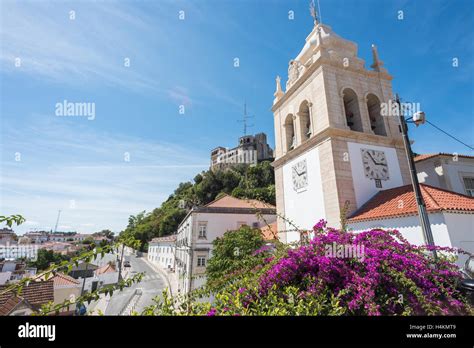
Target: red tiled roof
{"type": "Point", "coordinates": [400, 201]}
{"type": "Point", "coordinates": [61, 279]}
{"type": "Point", "coordinates": [36, 293]}
{"type": "Point", "coordinates": [270, 232]}
{"type": "Point", "coordinates": [431, 155]}
{"type": "Point", "coordinates": [108, 268]}
{"type": "Point", "coordinates": [227, 201]}
{"type": "Point", "coordinates": [170, 238]}
{"type": "Point", "coordinates": [10, 304]}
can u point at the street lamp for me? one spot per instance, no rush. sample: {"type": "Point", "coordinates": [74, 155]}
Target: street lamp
{"type": "Point", "coordinates": [418, 118]}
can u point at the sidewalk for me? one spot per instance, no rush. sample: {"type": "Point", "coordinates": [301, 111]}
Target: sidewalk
{"type": "Point", "coordinates": [100, 306]}
{"type": "Point", "coordinates": [169, 277]}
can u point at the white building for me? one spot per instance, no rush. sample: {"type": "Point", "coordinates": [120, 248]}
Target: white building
{"type": "Point", "coordinates": [451, 216]}
{"type": "Point", "coordinates": [204, 224]}
{"type": "Point", "coordinates": [37, 237]}
{"type": "Point", "coordinates": [161, 251]}
{"type": "Point", "coordinates": [451, 172]}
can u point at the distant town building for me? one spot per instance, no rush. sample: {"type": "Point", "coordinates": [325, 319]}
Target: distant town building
{"type": "Point", "coordinates": [40, 237]}
{"type": "Point", "coordinates": [7, 236]}
{"type": "Point", "coordinates": [447, 171]}
{"type": "Point", "coordinates": [12, 271]}
{"type": "Point", "coordinates": [251, 150]}
{"type": "Point", "coordinates": [162, 251]}
{"type": "Point", "coordinates": [37, 237]}
{"type": "Point", "coordinates": [202, 225]}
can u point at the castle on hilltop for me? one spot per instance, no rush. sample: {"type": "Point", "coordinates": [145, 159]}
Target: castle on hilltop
{"type": "Point", "coordinates": [251, 150]}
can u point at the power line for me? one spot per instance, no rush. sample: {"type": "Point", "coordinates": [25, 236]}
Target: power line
{"type": "Point", "coordinates": [449, 135]}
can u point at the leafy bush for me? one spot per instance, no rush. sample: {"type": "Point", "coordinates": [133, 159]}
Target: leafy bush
{"type": "Point", "coordinates": [232, 251]}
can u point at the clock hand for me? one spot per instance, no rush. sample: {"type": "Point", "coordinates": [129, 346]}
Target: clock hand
{"type": "Point", "coordinates": [375, 162]}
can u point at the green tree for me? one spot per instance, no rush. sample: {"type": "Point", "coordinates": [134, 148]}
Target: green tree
{"type": "Point", "coordinates": [232, 251]}
{"type": "Point", "coordinates": [241, 181]}
{"type": "Point", "coordinates": [45, 258]}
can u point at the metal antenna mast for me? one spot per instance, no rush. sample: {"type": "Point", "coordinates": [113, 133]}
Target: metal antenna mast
{"type": "Point", "coordinates": [244, 119]}
{"type": "Point", "coordinates": [57, 221]}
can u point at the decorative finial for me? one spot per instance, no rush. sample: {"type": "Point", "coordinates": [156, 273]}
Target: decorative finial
{"type": "Point", "coordinates": [278, 92]}
{"type": "Point", "coordinates": [377, 64]}
{"type": "Point", "coordinates": [313, 12]}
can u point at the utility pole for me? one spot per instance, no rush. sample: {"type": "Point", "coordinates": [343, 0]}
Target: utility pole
{"type": "Point", "coordinates": [422, 212]}
{"type": "Point", "coordinates": [120, 263]}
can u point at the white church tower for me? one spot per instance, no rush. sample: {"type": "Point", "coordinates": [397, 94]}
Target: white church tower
{"type": "Point", "coordinates": [332, 144]}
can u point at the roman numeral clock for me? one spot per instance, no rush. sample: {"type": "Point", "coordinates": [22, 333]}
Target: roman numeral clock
{"type": "Point", "coordinates": [375, 166]}
{"type": "Point", "coordinates": [300, 176]}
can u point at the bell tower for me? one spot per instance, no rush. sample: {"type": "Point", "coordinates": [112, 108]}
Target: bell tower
{"type": "Point", "coordinates": [334, 148]}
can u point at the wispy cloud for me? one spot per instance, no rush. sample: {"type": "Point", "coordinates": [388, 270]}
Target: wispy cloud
{"type": "Point", "coordinates": [97, 180]}
{"type": "Point", "coordinates": [92, 47]}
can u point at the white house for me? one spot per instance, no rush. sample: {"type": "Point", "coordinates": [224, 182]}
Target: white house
{"type": "Point", "coordinates": [204, 224]}
{"type": "Point", "coordinates": [451, 216]}
{"type": "Point", "coordinates": [37, 237]}
{"type": "Point", "coordinates": [162, 251]}
{"type": "Point", "coordinates": [451, 172]}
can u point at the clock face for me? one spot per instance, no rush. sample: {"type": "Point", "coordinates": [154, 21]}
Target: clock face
{"type": "Point", "coordinates": [300, 176]}
{"type": "Point", "coordinates": [375, 164]}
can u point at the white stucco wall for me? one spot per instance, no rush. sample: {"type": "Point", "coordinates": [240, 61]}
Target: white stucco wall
{"type": "Point", "coordinates": [364, 187]}
{"type": "Point", "coordinates": [162, 253]}
{"type": "Point", "coordinates": [455, 171]}
{"type": "Point", "coordinates": [304, 208]}
{"type": "Point", "coordinates": [461, 227]}
{"type": "Point", "coordinates": [445, 173]}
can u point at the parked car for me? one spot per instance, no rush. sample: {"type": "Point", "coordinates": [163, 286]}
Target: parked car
{"type": "Point", "coordinates": [466, 286]}
{"type": "Point", "coordinates": [127, 264]}
{"type": "Point", "coordinates": [468, 269]}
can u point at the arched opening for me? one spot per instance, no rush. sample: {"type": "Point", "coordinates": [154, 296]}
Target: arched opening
{"type": "Point", "coordinates": [352, 111]}
{"type": "Point", "coordinates": [290, 133]}
{"type": "Point", "coordinates": [376, 120]}
{"type": "Point", "coordinates": [304, 121]}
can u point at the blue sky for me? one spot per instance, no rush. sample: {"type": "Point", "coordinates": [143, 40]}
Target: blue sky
{"type": "Point", "coordinates": [77, 165]}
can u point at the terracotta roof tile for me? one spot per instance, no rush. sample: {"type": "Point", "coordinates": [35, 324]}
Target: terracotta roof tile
{"type": "Point", "coordinates": [61, 279]}
{"type": "Point", "coordinates": [400, 201]}
{"type": "Point", "coordinates": [170, 238]}
{"type": "Point", "coordinates": [227, 201]}
{"type": "Point", "coordinates": [270, 232]}
{"type": "Point", "coordinates": [425, 156]}
{"type": "Point", "coordinates": [36, 293]}
{"type": "Point", "coordinates": [108, 268]}
{"type": "Point", "coordinates": [10, 304]}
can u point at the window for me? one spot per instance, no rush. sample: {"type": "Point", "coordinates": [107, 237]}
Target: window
{"type": "Point", "coordinates": [201, 261]}
{"type": "Point", "coordinates": [469, 186]}
{"type": "Point", "coordinates": [202, 230]}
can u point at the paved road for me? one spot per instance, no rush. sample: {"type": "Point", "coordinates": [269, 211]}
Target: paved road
{"type": "Point", "coordinates": [152, 285]}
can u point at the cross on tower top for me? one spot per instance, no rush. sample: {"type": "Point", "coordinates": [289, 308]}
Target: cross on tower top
{"type": "Point", "coordinates": [314, 12]}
